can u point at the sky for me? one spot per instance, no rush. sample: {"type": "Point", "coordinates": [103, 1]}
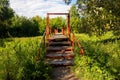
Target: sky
{"type": "Point", "coordinates": [30, 8]}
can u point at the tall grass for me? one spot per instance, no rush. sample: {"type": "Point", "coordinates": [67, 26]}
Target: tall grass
{"type": "Point", "coordinates": [18, 60]}
{"type": "Point", "coordinates": [101, 60]}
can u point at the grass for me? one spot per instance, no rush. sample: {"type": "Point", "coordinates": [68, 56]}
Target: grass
{"type": "Point", "coordinates": [18, 57]}
{"type": "Point", "coordinates": [1, 68]}
{"type": "Point", "coordinates": [101, 60]}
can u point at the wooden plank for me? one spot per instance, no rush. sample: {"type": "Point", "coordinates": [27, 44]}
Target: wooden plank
{"type": "Point", "coordinates": [67, 56]}
{"type": "Point", "coordinates": [58, 36]}
{"type": "Point", "coordinates": [63, 62]}
{"type": "Point", "coordinates": [59, 48]}
{"type": "Point", "coordinates": [59, 43]}
{"type": "Point", "coordinates": [60, 52]}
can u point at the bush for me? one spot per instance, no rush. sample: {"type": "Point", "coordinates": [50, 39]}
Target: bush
{"type": "Point", "coordinates": [101, 60]}
{"type": "Point", "coordinates": [19, 58]}
{"type": "Point", "coordinates": [23, 27]}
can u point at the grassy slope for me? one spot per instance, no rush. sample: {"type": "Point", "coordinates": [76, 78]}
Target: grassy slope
{"type": "Point", "coordinates": [101, 60]}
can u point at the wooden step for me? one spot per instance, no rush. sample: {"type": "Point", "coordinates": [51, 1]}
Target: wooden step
{"type": "Point", "coordinates": [48, 60]}
{"type": "Point", "coordinates": [58, 40]}
{"type": "Point", "coordinates": [59, 48]}
{"type": "Point", "coordinates": [62, 62]}
{"type": "Point", "coordinates": [68, 43]}
{"type": "Point", "coordinates": [58, 37]}
{"type": "Point", "coordinates": [66, 56]}
{"type": "Point", "coordinates": [60, 52]}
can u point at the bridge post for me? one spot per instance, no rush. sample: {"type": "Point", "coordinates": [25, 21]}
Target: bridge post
{"type": "Point", "coordinates": [47, 27]}
{"type": "Point", "coordinates": [73, 40]}
{"type": "Point", "coordinates": [63, 31]}
{"type": "Point", "coordinates": [69, 30]}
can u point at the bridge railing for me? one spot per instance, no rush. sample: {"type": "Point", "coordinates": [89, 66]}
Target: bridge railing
{"type": "Point", "coordinates": [42, 46]}
{"type": "Point", "coordinates": [75, 40]}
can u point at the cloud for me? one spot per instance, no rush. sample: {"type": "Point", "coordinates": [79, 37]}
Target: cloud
{"type": "Point", "coordinates": [30, 8]}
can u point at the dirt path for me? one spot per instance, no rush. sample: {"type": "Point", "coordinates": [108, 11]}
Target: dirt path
{"type": "Point", "coordinates": [63, 73]}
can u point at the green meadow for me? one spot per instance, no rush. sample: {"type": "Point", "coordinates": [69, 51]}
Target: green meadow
{"type": "Point", "coordinates": [101, 60]}
{"type": "Point", "coordinates": [18, 59]}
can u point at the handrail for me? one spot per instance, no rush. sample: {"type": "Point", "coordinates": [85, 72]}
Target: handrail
{"type": "Point", "coordinates": [74, 39]}
{"type": "Point", "coordinates": [43, 37]}
{"type": "Point", "coordinates": [41, 46]}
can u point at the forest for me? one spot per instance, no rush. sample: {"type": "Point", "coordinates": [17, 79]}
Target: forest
{"type": "Point", "coordinates": [96, 24]}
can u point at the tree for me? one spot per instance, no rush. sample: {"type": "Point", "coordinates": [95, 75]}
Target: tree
{"type": "Point", "coordinates": [75, 19]}
{"type": "Point", "coordinates": [6, 13]}
{"type": "Point", "coordinates": [100, 15]}
{"type": "Point", "coordinates": [21, 26]}
{"type": "Point", "coordinates": [41, 23]}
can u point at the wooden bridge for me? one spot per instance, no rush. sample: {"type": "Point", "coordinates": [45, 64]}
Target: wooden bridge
{"type": "Point", "coordinates": [59, 46]}
{"type": "Point", "coordinates": [58, 49]}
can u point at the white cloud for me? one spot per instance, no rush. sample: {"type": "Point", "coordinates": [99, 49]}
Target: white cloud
{"type": "Point", "coordinates": [30, 8]}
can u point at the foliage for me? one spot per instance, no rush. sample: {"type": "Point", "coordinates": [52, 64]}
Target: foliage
{"type": "Point", "coordinates": [98, 16]}
{"type": "Point", "coordinates": [57, 23]}
{"type": "Point", "coordinates": [21, 26]}
{"type": "Point", "coordinates": [101, 60]}
{"type": "Point", "coordinates": [41, 23]}
{"type": "Point", "coordinates": [19, 60]}
{"type": "Point", "coordinates": [6, 13]}
{"type": "Point", "coordinates": [75, 20]}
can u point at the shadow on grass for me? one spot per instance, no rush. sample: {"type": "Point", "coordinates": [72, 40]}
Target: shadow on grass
{"type": "Point", "coordinates": [4, 40]}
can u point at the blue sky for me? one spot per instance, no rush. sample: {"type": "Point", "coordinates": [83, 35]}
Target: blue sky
{"type": "Point", "coordinates": [30, 8]}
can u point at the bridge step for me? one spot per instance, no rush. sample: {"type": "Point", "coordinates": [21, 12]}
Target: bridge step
{"type": "Point", "coordinates": [64, 55]}
{"type": "Point", "coordinates": [68, 43]}
{"type": "Point", "coordinates": [59, 48]}
{"type": "Point", "coordinates": [61, 62]}
{"type": "Point", "coordinates": [59, 51]}
{"type": "Point", "coordinates": [58, 37]}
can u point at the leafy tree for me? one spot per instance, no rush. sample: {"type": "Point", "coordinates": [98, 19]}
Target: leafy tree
{"type": "Point", "coordinates": [103, 13]}
{"type": "Point", "coordinates": [41, 23]}
{"type": "Point", "coordinates": [75, 19]}
{"type": "Point", "coordinates": [6, 13]}
{"type": "Point", "coordinates": [99, 16]}
{"type": "Point", "coordinates": [21, 26]}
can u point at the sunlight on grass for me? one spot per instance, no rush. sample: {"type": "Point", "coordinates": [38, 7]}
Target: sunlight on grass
{"type": "Point", "coordinates": [18, 57]}
{"type": "Point", "coordinates": [101, 60]}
